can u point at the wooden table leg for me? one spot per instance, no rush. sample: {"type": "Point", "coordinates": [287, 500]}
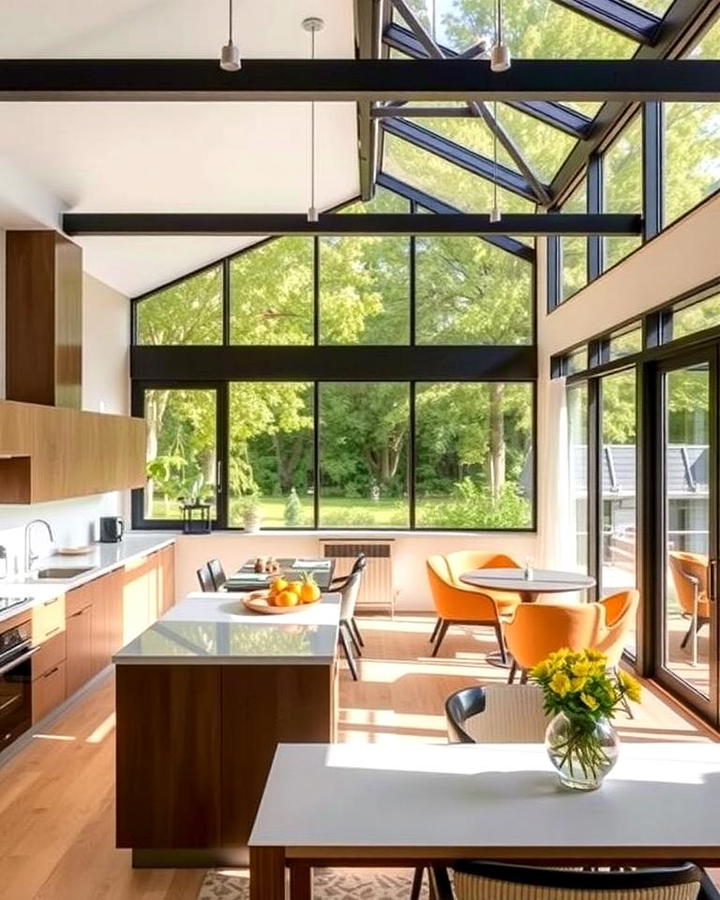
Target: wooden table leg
{"type": "Point", "coordinates": [301, 882]}
{"type": "Point", "coordinates": [267, 873]}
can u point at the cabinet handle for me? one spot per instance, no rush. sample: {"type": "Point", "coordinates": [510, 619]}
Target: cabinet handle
{"type": "Point", "coordinates": [52, 631]}
{"type": "Point", "coordinates": [51, 672]}
{"type": "Point", "coordinates": [713, 593]}
{"type": "Point", "coordinates": [50, 602]}
{"type": "Point", "coordinates": [78, 613]}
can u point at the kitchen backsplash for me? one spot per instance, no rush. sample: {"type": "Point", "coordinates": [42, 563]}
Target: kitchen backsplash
{"type": "Point", "coordinates": [74, 522]}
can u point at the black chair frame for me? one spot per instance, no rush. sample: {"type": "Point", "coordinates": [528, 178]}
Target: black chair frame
{"type": "Point", "coordinates": [337, 584]}
{"type": "Point", "coordinates": [461, 706]}
{"type": "Point", "coordinates": [205, 579]}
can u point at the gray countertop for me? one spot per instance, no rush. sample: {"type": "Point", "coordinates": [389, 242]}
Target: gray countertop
{"type": "Point", "coordinates": [217, 629]}
{"type": "Point", "coordinates": [100, 560]}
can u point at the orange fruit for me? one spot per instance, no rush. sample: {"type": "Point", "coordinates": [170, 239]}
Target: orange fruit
{"type": "Point", "coordinates": [309, 592]}
{"type": "Point", "coordinates": [295, 587]}
{"type": "Point", "coordinates": [286, 598]}
{"type": "Point", "coordinates": [277, 585]}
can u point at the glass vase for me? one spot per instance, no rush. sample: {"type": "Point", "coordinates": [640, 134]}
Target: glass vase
{"type": "Point", "coordinates": [582, 750]}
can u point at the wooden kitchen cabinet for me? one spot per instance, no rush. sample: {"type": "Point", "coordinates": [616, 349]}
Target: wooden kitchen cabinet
{"type": "Point", "coordinates": [80, 659]}
{"type": "Point", "coordinates": [49, 690]}
{"type": "Point", "coordinates": [48, 619]}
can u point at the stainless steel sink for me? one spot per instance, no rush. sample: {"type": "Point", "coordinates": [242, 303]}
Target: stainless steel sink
{"type": "Point", "coordinates": [61, 573]}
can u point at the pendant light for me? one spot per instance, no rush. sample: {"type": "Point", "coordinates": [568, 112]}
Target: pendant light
{"type": "Point", "coordinates": [313, 24]}
{"type": "Point", "coordinates": [230, 53]}
{"type": "Point", "coordinates": [500, 59]}
{"type": "Point", "coordinates": [495, 214]}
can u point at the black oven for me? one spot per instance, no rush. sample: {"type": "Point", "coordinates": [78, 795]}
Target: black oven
{"type": "Point", "coordinates": [16, 653]}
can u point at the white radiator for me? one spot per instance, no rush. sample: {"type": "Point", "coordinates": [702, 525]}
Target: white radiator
{"type": "Point", "coordinates": [376, 589]}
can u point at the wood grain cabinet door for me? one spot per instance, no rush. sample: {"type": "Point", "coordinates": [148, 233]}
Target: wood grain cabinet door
{"type": "Point", "coordinates": [48, 691]}
{"type": "Point", "coordinates": [80, 664]}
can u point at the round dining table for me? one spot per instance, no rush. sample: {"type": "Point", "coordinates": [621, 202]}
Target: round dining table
{"type": "Point", "coordinates": [529, 584]}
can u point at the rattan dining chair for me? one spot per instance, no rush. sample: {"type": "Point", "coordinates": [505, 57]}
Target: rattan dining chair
{"type": "Point", "coordinates": [496, 714]}
{"type": "Point", "coordinates": [217, 573]}
{"type": "Point", "coordinates": [488, 881]}
{"type": "Point", "coordinates": [205, 579]}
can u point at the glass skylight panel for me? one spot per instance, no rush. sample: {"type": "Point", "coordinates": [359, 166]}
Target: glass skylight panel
{"type": "Point", "coordinates": [622, 188]}
{"type": "Point", "coordinates": [446, 181]}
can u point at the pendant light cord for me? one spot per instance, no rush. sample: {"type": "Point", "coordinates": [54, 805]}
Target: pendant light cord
{"type": "Point", "coordinates": [312, 134]}
{"type": "Point", "coordinates": [498, 23]}
{"type": "Point", "coordinates": [495, 157]}
{"type": "Point", "coordinates": [230, 21]}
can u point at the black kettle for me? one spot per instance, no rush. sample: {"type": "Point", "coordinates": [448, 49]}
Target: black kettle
{"type": "Point", "coordinates": [112, 529]}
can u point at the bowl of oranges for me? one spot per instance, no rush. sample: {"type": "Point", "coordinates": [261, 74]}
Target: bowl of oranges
{"type": "Point", "coordinates": [284, 596]}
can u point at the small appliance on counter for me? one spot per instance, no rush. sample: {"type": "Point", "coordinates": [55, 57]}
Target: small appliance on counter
{"type": "Point", "coordinates": [112, 529]}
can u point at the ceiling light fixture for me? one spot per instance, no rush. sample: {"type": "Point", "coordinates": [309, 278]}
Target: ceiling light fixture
{"type": "Point", "coordinates": [230, 53]}
{"type": "Point", "coordinates": [313, 24]}
{"type": "Point", "coordinates": [500, 59]}
{"type": "Point", "coordinates": [495, 214]}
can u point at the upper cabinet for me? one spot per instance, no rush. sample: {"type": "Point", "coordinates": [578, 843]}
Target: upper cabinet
{"type": "Point", "coordinates": [54, 454]}
{"type": "Point", "coordinates": [43, 290]}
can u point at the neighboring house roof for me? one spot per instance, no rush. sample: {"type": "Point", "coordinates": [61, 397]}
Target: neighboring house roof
{"type": "Point", "coordinates": [687, 470]}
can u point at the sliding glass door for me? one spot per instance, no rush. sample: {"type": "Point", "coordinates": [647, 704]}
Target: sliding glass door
{"type": "Point", "coordinates": [686, 622]}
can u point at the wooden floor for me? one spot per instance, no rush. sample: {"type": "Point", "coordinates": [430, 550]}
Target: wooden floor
{"type": "Point", "coordinates": [57, 794]}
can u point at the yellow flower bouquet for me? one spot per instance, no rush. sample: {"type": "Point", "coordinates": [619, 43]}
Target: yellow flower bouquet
{"type": "Point", "coordinates": [583, 696]}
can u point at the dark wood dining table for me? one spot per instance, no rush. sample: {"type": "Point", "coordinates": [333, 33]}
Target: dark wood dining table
{"type": "Point", "coordinates": [246, 578]}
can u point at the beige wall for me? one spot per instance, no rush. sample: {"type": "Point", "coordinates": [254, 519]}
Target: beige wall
{"type": "Point", "coordinates": [106, 336]}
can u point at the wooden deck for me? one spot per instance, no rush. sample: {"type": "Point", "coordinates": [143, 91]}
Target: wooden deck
{"type": "Point", "coordinates": [57, 794]}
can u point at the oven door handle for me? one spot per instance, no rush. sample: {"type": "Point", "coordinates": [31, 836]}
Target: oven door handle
{"type": "Point", "coordinates": [19, 659]}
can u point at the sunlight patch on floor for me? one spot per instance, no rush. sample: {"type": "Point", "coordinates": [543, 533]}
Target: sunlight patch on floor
{"type": "Point", "coordinates": [388, 671]}
{"type": "Point", "coordinates": [391, 719]}
{"type": "Point", "coordinates": [106, 727]}
{"type": "Point", "coordinates": [53, 737]}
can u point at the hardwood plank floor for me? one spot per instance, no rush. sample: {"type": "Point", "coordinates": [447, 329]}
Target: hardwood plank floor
{"type": "Point", "coordinates": [57, 795]}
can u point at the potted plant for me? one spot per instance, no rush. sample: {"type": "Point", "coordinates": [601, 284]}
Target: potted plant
{"type": "Point", "coordinates": [582, 696]}
{"type": "Point", "coordinates": [251, 515]}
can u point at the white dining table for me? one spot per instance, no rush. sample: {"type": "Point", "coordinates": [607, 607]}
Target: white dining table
{"type": "Point", "coordinates": [528, 584]}
{"type": "Point", "coordinates": [403, 805]}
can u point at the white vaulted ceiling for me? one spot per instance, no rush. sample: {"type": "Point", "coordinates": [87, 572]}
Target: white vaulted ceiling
{"type": "Point", "coordinates": [173, 157]}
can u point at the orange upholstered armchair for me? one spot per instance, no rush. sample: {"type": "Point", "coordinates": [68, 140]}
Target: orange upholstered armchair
{"type": "Point", "coordinates": [690, 576]}
{"type": "Point", "coordinates": [620, 613]}
{"type": "Point", "coordinates": [538, 629]}
{"type": "Point", "coordinates": [460, 604]}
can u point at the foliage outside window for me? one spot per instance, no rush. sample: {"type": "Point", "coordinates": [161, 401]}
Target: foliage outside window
{"type": "Point", "coordinates": [697, 316]}
{"type": "Point", "coordinates": [625, 343]}
{"type": "Point", "coordinates": [187, 312]}
{"type": "Point", "coordinates": [623, 187]}
{"type": "Point", "coordinates": [271, 293]}
{"type": "Point", "coordinates": [469, 292]}
{"type": "Point", "coordinates": [692, 144]}
{"type": "Point", "coordinates": [364, 282]}
{"type": "Point", "coordinates": [181, 450]}
{"type": "Point", "coordinates": [577, 361]}
{"type": "Point", "coordinates": [270, 453]}
{"type": "Point", "coordinates": [577, 416]}
{"type": "Point", "coordinates": [473, 448]}
{"type": "Point", "coordinates": [573, 250]}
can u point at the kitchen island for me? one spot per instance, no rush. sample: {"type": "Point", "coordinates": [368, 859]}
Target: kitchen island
{"type": "Point", "coordinates": [204, 696]}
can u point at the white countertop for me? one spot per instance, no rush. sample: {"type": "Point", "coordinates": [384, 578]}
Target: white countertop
{"type": "Point", "coordinates": [217, 629]}
{"type": "Point", "coordinates": [465, 796]}
{"type": "Point", "coordinates": [100, 560]}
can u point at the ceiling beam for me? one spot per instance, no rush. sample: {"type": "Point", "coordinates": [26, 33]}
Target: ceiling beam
{"type": "Point", "coordinates": [682, 26]}
{"type": "Point", "coordinates": [625, 18]}
{"type": "Point", "coordinates": [479, 109]}
{"type": "Point", "coordinates": [149, 224]}
{"type": "Point", "coordinates": [563, 117]}
{"type": "Point", "coordinates": [294, 80]}
{"type": "Point", "coordinates": [476, 163]}
{"type": "Point", "coordinates": [368, 29]}
{"type": "Point", "coordinates": [432, 204]}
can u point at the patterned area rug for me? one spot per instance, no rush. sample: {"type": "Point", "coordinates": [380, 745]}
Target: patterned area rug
{"type": "Point", "coordinates": [329, 884]}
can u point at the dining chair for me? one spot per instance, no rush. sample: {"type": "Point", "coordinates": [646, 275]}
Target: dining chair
{"type": "Point", "coordinates": [348, 641]}
{"type": "Point", "coordinates": [205, 579]}
{"type": "Point", "coordinates": [461, 561]}
{"type": "Point", "coordinates": [217, 573]}
{"type": "Point", "coordinates": [359, 565]}
{"type": "Point", "coordinates": [538, 629]}
{"type": "Point", "coordinates": [480, 880]}
{"type": "Point", "coordinates": [458, 604]}
{"type": "Point", "coordinates": [690, 576]}
{"type": "Point", "coordinates": [496, 714]}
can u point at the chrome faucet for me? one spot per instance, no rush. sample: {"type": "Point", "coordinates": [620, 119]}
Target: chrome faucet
{"type": "Point", "coordinates": [30, 557]}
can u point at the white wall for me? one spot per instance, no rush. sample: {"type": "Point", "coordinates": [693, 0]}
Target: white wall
{"type": "Point", "coordinates": [409, 554]}
{"type": "Point", "coordinates": [105, 388]}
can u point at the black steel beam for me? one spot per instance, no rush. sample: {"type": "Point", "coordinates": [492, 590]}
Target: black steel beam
{"type": "Point", "coordinates": [563, 117]}
{"type": "Point", "coordinates": [460, 156]}
{"type": "Point", "coordinates": [439, 207]}
{"type": "Point", "coordinates": [625, 18]}
{"type": "Point", "coordinates": [149, 224]}
{"type": "Point", "coordinates": [293, 80]}
{"type": "Point", "coordinates": [367, 37]}
{"type": "Point", "coordinates": [682, 25]}
{"type": "Point", "coordinates": [426, 363]}
{"type": "Point", "coordinates": [653, 164]}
